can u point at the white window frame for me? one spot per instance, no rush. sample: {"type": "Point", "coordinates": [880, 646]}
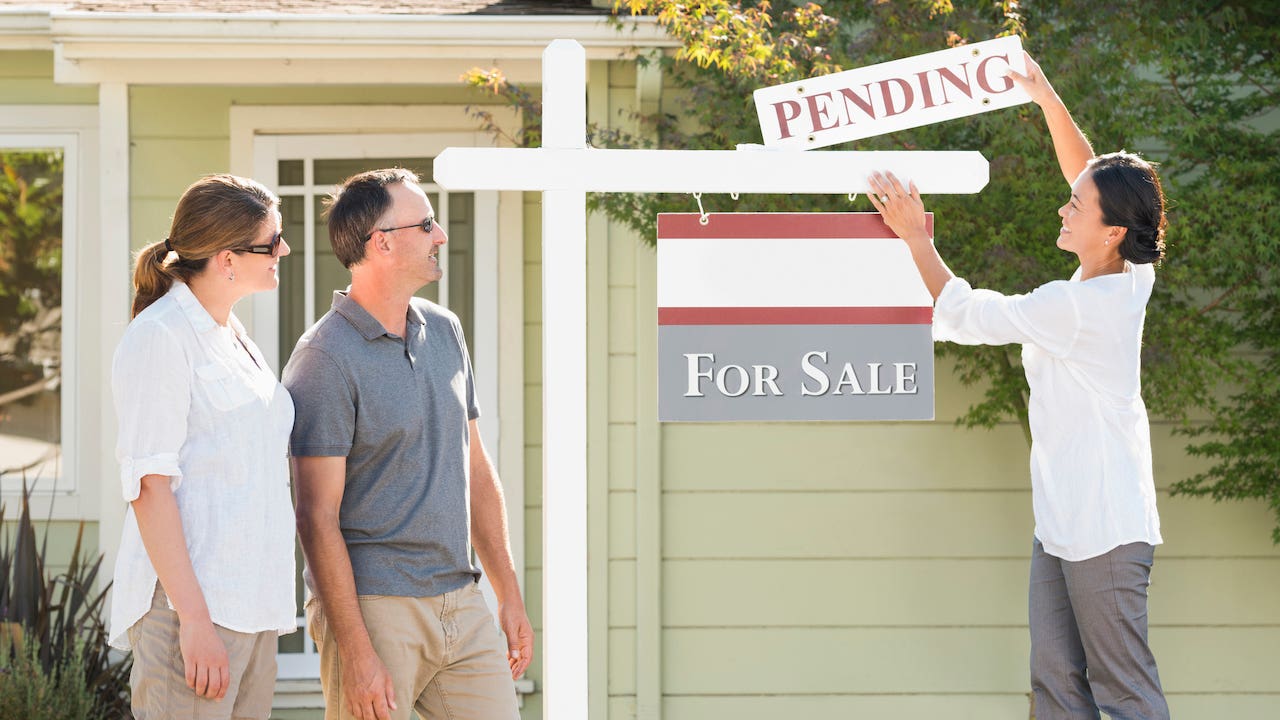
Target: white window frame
{"type": "Point", "coordinates": [73, 130]}
{"type": "Point", "coordinates": [261, 136]}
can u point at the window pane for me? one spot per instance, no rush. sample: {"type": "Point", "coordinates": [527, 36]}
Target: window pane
{"type": "Point", "coordinates": [333, 172]}
{"type": "Point", "coordinates": [462, 233]}
{"type": "Point", "coordinates": [292, 276]}
{"type": "Point", "coordinates": [290, 172]}
{"type": "Point", "coordinates": [31, 187]}
{"type": "Point", "coordinates": [330, 275]}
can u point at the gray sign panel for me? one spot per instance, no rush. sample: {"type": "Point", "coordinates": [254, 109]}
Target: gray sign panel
{"type": "Point", "coordinates": [710, 373]}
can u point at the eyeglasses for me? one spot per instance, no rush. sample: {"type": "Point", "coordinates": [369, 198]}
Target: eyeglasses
{"type": "Point", "coordinates": [427, 224]}
{"type": "Point", "coordinates": [271, 248]}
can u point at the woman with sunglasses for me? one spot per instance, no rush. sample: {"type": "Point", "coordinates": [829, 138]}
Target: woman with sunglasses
{"type": "Point", "coordinates": [204, 578]}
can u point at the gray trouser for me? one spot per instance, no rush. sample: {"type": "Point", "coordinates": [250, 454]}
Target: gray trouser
{"type": "Point", "coordinates": [1089, 636]}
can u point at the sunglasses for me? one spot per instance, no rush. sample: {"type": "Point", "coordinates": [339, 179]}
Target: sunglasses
{"type": "Point", "coordinates": [271, 248]}
{"type": "Point", "coordinates": [427, 224]}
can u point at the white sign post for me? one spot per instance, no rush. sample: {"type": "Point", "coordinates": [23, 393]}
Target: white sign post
{"type": "Point", "coordinates": [890, 96]}
{"type": "Point", "coordinates": [565, 170]}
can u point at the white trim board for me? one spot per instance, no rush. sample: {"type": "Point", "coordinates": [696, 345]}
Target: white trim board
{"type": "Point", "coordinates": [24, 29]}
{"type": "Point", "coordinates": [222, 67]}
{"type": "Point", "coordinates": [246, 121]}
{"type": "Point", "coordinates": [280, 48]}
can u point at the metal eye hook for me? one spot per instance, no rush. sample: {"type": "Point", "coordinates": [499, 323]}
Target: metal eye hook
{"type": "Point", "coordinates": [703, 216]}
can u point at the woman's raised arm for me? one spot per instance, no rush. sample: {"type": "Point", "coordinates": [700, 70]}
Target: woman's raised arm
{"type": "Point", "coordinates": [1072, 147]}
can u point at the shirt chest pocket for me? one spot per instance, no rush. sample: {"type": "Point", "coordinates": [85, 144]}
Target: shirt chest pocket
{"type": "Point", "coordinates": [224, 390]}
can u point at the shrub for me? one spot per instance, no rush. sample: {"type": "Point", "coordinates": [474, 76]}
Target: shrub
{"type": "Point", "coordinates": [28, 691]}
{"type": "Point", "coordinates": [54, 639]}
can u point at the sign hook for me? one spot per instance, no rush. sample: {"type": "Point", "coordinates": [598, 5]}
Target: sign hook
{"type": "Point", "coordinates": [703, 216]}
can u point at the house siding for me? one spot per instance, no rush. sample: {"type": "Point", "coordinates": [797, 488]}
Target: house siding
{"type": "Point", "coordinates": [533, 440]}
{"type": "Point", "coordinates": [58, 537]}
{"type": "Point", "coordinates": [26, 78]}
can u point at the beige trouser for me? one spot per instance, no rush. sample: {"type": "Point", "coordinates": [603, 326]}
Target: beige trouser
{"type": "Point", "coordinates": [159, 679]}
{"type": "Point", "coordinates": [446, 658]}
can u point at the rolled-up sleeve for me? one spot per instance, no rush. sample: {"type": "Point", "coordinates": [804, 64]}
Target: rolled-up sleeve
{"type": "Point", "coordinates": [1046, 317]}
{"type": "Point", "coordinates": [151, 384]}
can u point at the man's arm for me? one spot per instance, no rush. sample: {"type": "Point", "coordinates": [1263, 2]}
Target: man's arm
{"type": "Point", "coordinates": [366, 683]}
{"type": "Point", "coordinates": [493, 544]}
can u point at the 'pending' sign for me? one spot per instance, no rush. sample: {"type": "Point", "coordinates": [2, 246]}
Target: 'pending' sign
{"type": "Point", "coordinates": [790, 317]}
{"type": "Point", "coordinates": [891, 96]}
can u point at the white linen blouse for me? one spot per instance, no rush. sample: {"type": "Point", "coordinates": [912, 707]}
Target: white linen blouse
{"type": "Point", "coordinates": [196, 402]}
{"type": "Point", "coordinates": [1092, 488]}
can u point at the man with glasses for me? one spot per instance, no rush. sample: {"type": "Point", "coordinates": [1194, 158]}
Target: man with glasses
{"type": "Point", "coordinates": [393, 482]}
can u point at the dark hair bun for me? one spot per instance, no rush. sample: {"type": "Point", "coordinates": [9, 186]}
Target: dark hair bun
{"type": "Point", "coordinates": [1142, 245]}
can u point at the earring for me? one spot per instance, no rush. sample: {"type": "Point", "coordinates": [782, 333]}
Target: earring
{"type": "Point", "coordinates": [232, 276]}
{"type": "Point", "coordinates": [1106, 242]}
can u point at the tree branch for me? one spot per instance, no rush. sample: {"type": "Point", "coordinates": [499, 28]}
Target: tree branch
{"type": "Point", "coordinates": [1221, 298]}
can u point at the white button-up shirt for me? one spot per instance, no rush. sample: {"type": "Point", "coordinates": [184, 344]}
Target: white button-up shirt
{"type": "Point", "coordinates": [1091, 484]}
{"type": "Point", "coordinates": [196, 402]}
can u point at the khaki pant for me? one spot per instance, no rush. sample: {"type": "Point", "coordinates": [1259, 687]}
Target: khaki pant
{"type": "Point", "coordinates": [446, 658]}
{"type": "Point", "coordinates": [159, 679]}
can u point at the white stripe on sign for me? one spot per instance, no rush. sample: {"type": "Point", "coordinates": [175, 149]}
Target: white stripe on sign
{"type": "Point", "coordinates": [764, 272]}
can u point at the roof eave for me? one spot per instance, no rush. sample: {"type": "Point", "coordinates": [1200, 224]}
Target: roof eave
{"type": "Point", "coordinates": [275, 48]}
{"type": "Point", "coordinates": [22, 29]}
{"type": "Point", "coordinates": [83, 35]}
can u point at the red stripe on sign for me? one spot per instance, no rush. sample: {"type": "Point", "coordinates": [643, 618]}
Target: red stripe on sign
{"type": "Point", "coordinates": [782, 226]}
{"type": "Point", "coordinates": [795, 315]}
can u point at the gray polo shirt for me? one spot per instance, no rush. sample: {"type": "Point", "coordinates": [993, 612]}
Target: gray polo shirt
{"type": "Point", "coordinates": [398, 410]}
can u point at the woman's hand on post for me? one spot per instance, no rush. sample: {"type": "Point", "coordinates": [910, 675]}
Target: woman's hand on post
{"type": "Point", "coordinates": [901, 207]}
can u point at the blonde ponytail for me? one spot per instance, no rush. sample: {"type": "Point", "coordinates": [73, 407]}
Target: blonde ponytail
{"type": "Point", "coordinates": [151, 279]}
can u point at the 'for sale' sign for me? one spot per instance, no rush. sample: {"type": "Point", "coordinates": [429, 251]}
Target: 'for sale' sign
{"type": "Point", "coordinates": [790, 316]}
{"type": "Point", "coordinates": [891, 96]}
